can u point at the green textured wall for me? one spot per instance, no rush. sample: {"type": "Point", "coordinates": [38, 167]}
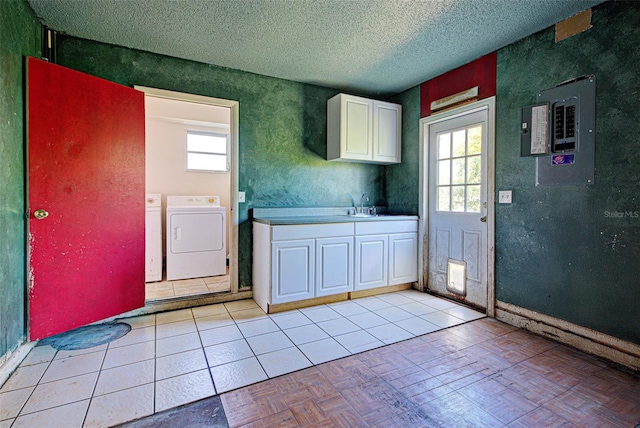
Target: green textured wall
{"type": "Point", "coordinates": [19, 36]}
{"type": "Point", "coordinates": [402, 180]}
{"type": "Point", "coordinates": [282, 129]}
{"type": "Point", "coordinates": [562, 251]}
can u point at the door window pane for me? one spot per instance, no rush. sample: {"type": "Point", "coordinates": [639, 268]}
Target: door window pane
{"type": "Point", "coordinates": [474, 145]}
{"type": "Point", "coordinates": [459, 170]}
{"type": "Point", "coordinates": [444, 198]}
{"type": "Point", "coordinates": [459, 143]}
{"type": "Point", "coordinates": [473, 199]}
{"type": "Point", "coordinates": [473, 169]}
{"type": "Point", "coordinates": [444, 146]}
{"type": "Point", "coordinates": [444, 172]}
{"type": "Point", "coordinates": [457, 199]}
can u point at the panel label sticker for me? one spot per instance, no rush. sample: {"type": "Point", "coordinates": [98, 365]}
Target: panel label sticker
{"type": "Point", "coordinates": [563, 159]}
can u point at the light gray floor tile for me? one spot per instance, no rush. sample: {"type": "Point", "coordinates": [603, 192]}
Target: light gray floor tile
{"type": "Point", "coordinates": [179, 364]}
{"type": "Point", "coordinates": [257, 327]}
{"type": "Point", "coordinates": [24, 377]}
{"type": "Point", "coordinates": [214, 321]}
{"type": "Point", "coordinates": [418, 308]}
{"type": "Point", "coordinates": [389, 333]}
{"type": "Point", "coordinates": [175, 328]}
{"type": "Point", "coordinates": [373, 303]}
{"type": "Point", "coordinates": [61, 392]}
{"type": "Point", "coordinates": [177, 344]}
{"type": "Point", "coordinates": [209, 310]}
{"type": "Point", "coordinates": [138, 335]}
{"type": "Point", "coordinates": [442, 319]}
{"type": "Point", "coordinates": [367, 320]}
{"type": "Point", "coordinates": [183, 389]}
{"type": "Point", "coordinates": [72, 414]}
{"type": "Point", "coordinates": [74, 366]}
{"type": "Point", "coordinates": [320, 313]}
{"type": "Point", "coordinates": [237, 374]}
{"type": "Point", "coordinates": [124, 377]}
{"type": "Point", "coordinates": [174, 316]}
{"type": "Point", "coordinates": [38, 355]}
{"type": "Point", "coordinates": [241, 305]}
{"type": "Point", "coordinates": [121, 406]}
{"type": "Point", "coordinates": [129, 354]}
{"type": "Point", "coordinates": [305, 334]}
{"type": "Point", "coordinates": [140, 322]}
{"type": "Point", "coordinates": [358, 341]}
{"type": "Point", "coordinates": [394, 313]}
{"type": "Point", "coordinates": [219, 335]}
{"type": "Point", "coordinates": [269, 342]}
{"type": "Point", "coordinates": [348, 308]}
{"type": "Point", "coordinates": [417, 326]}
{"type": "Point", "coordinates": [227, 352]}
{"type": "Point", "coordinates": [324, 350]}
{"type": "Point", "coordinates": [12, 402]}
{"type": "Point", "coordinates": [290, 319]}
{"type": "Point", "coordinates": [464, 313]}
{"type": "Point", "coordinates": [338, 326]}
{"type": "Point", "coordinates": [283, 361]}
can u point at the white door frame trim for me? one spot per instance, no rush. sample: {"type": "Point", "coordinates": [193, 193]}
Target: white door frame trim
{"type": "Point", "coordinates": [234, 106]}
{"type": "Point", "coordinates": [487, 104]}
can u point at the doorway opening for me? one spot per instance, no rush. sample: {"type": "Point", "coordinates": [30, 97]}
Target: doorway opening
{"type": "Point", "coordinates": [191, 169]}
{"type": "Point", "coordinates": [457, 204]}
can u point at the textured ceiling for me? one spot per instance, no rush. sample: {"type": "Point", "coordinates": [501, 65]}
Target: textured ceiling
{"type": "Point", "coordinates": [368, 46]}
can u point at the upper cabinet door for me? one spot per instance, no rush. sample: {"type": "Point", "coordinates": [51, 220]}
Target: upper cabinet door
{"type": "Point", "coordinates": [86, 194]}
{"type": "Point", "coordinates": [363, 130]}
{"type": "Point", "coordinates": [387, 119]}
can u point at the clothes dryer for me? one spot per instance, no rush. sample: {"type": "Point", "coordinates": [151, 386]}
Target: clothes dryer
{"type": "Point", "coordinates": [196, 237]}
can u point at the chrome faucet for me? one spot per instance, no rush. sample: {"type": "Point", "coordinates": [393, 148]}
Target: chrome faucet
{"type": "Point", "coordinates": [363, 198]}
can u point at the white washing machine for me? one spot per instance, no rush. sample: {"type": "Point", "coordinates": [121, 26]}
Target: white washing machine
{"type": "Point", "coordinates": [153, 238]}
{"type": "Point", "coordinates": [196, 237]}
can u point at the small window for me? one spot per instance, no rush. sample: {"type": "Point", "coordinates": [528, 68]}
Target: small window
{"type": "Point", "coordinates": [207, 152]}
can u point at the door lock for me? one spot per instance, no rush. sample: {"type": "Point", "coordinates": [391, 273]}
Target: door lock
{"type": "Point", "coordinates": [40, 214]}
{"type": "Point", "coordinates": [483, 219]}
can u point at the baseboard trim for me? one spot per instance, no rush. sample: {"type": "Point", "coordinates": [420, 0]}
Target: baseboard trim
{"type": "Point", "coordinates": [585, 339]}
{"type": "Point", "coordinates": [10, 361]}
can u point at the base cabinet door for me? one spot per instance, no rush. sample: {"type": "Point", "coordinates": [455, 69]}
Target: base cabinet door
{"type": "Point", "coordinates": [403, 258]}
{"type": "Point", "coordinates": [371, 261]}
{"type": "Point", "coordinates": [334, 265]}
{"type": "Point", "coordinates": [292, 270]}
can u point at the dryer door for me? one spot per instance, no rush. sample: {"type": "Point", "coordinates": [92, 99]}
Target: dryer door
{"type": "Point", "coordinates": [195, 232]}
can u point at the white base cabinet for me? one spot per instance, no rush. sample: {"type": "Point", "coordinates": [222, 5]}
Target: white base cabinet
{"type": "Point", "coordinates": [292, 270]}
{"type": "Point", "coordinates": [299, 262]}
{"type": "Point", "coordinates": [403, 258]}
{"type": "Point", "coordinates": [334, 266]}
{"type": "Point", "coordinates": [371, 261]}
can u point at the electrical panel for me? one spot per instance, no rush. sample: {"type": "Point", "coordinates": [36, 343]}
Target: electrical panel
{"type": "Point", "coordinates": [560, 131]}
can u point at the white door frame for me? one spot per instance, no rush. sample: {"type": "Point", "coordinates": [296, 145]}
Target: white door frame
{"type": "Point", "coordinates": [487, 104]}
{"type": "Point", "coordinates": [234, 106]}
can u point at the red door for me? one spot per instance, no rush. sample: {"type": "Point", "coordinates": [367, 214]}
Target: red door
{"type": "Point", "coordinates": [86, 198]}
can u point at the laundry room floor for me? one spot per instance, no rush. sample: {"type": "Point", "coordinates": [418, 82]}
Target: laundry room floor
{"type": "Point", "coordinates": [445, 365]}
{"type": "Point", "coordinates": [187, 287]}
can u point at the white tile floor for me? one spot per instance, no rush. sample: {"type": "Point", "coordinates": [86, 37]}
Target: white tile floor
{"type": "Point", "coordinates": [187, 287]}
{"type": "Point", "coordinates": [173, 358]}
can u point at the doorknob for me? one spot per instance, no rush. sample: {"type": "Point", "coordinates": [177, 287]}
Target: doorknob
{"type": "Point", "coordinates": [40, 214]}
{"type": "Point", "coordinates": [483, 219]}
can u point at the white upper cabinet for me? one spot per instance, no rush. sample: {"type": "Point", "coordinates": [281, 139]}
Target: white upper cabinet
{"type": "Point", "coordinates": [363, 130]}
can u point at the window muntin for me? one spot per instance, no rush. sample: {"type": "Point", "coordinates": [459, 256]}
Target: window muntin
{"type": "Point", "coordinates": [207, 151]}
{"type": "Point", "coordinates": [459, 170]}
